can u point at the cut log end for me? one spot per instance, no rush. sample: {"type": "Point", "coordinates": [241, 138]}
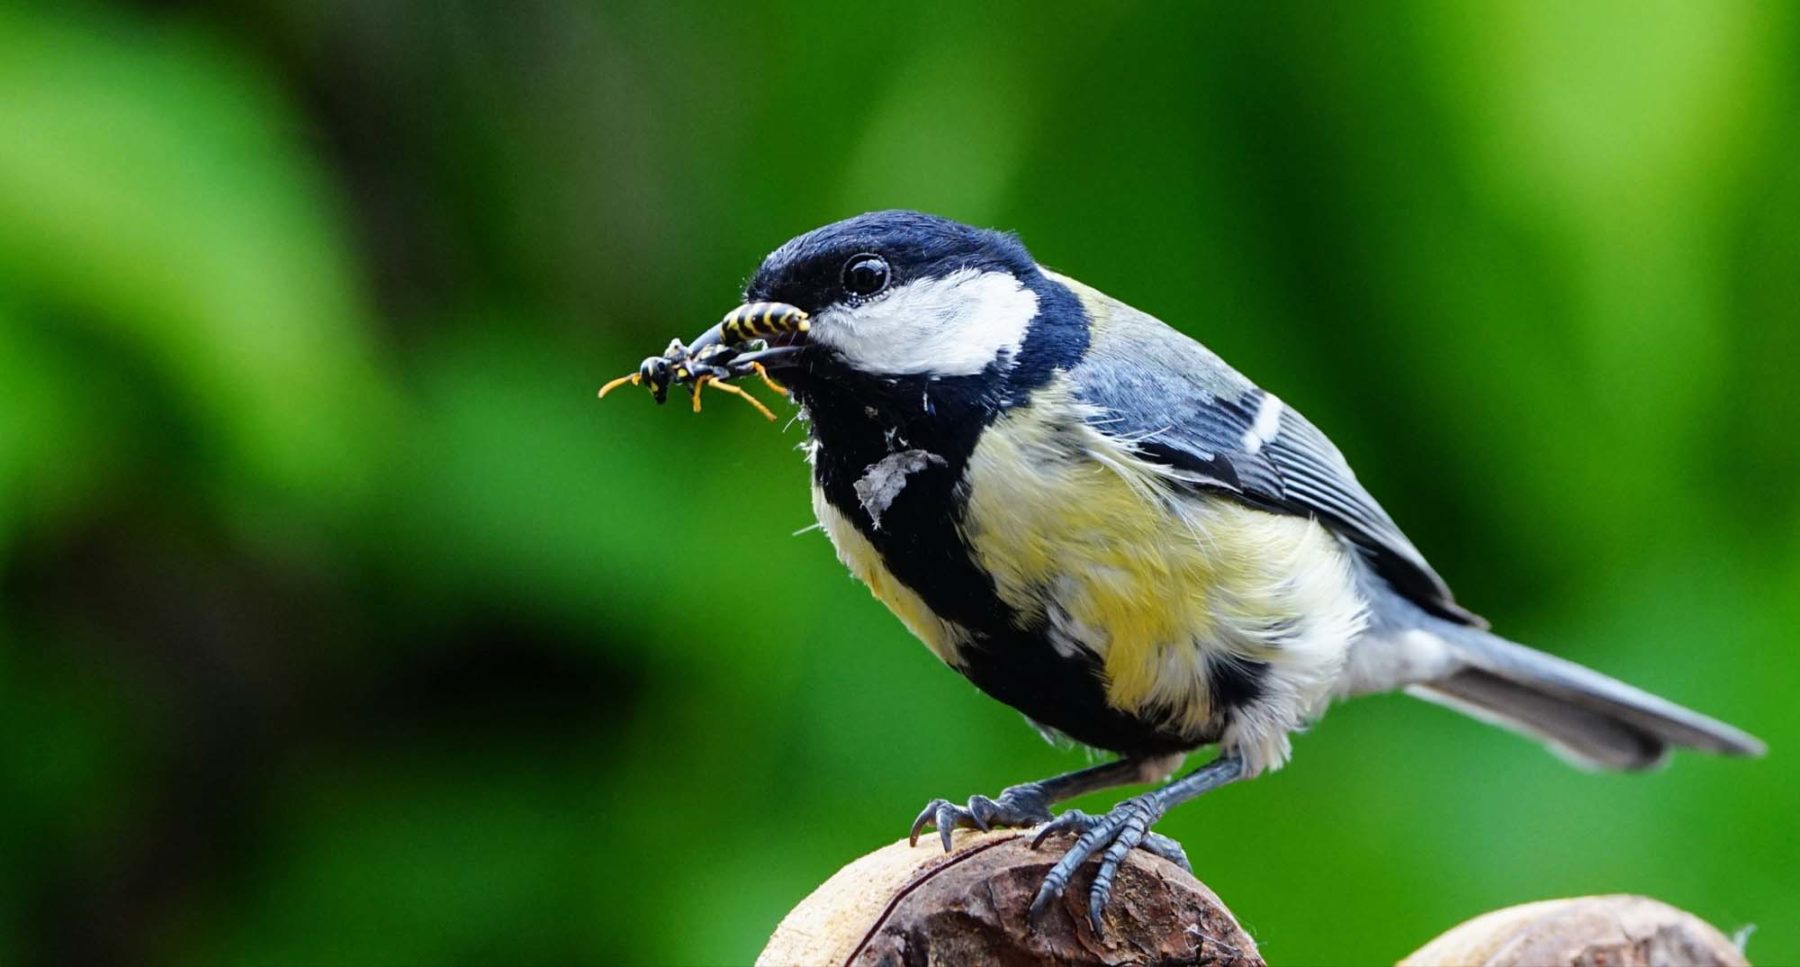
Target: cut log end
{"type": "Point", "coordinates": [913, 905]}
{"type": "Point", "coordinates": [1616, 931]}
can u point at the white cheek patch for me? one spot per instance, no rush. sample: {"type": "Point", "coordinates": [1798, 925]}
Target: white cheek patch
{"type": "Point", "coordinates": [954, 325]}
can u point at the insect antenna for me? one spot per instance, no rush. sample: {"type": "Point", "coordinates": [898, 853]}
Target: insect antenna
{"type": "Point", "coordinates": [634, 379]}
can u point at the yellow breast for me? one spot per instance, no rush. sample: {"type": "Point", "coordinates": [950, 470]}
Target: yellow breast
{"type": "Point", "coordinates": [1083, 537]}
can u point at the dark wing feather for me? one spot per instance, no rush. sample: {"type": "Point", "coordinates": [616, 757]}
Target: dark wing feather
{"type": "Point", "coordinates": [1185, 408]}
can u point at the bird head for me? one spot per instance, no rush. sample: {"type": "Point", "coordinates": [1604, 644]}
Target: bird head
{"type": "Point", "coordinates": [898, 304]}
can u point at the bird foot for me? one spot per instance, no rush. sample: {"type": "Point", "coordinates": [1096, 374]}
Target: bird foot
{"type": "Point", "coordinates": [1125, 826]}
{"type": "Point", "coordinates": [1019, 806]}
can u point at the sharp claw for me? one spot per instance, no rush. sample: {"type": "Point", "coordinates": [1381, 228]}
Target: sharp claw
{"type": "Point", "coordinates": [1046, 894]}
{"type": "Point", "coordinates": [1056, 882]}
{"type": "Point", "coordinates": [1101, 892]}
{"type": "Point", "coordinates": [926, 816]}
{"type": "Point", "coordinates": [1073, 819]}
{"type": "Point", "coordinates": [1168, 849]}
{"type": "Point", "coordinates": [1119, 831]}
{"type": "Point", "coordinates": [1020, 807]}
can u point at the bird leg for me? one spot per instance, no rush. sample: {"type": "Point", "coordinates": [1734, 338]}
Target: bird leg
{"type": "Point", "coordinates": [1124, 826]}
{"type": "Point", "coordinates": [1028, 803]}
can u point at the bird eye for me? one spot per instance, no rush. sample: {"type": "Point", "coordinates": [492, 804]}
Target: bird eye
{"type": "Point", "coordinates": [865, 274]}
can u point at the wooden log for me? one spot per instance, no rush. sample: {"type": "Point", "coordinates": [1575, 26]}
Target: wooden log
{"type": "Point", "coordinates": [904, 905]}
{"type": "Point", "coordinates": [1616, 931]}
{"type": "Point", "coordinates": [920, 905]}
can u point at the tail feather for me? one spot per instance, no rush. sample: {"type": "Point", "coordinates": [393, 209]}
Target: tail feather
{"type": "Point", "coordinates": [1588, 738]}
{"type": "Point", "coordinates": [1595, 719]}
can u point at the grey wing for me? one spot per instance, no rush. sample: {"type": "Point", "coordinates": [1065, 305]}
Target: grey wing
{"type": "Point", "coordinates": [1180, 405]}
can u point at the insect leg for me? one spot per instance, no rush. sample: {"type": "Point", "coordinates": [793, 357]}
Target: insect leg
{"type": "Point", "coordinates": [763, 373]}
{"type": "Point", "coordinates": [738, 391]}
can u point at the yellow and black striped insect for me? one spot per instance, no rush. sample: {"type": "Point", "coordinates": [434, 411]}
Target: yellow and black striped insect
{"type": "Point", "coordinates": [733, 348]}
{"type": "Point", "coordinates": [762, 320]}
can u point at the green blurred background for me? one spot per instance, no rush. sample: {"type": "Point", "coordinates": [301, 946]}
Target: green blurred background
{"type": "Point", "coordinates": [338, 622]}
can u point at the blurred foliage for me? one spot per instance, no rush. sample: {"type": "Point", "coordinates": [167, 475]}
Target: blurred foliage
{"type": "Point", "coordinates": [339, 623]}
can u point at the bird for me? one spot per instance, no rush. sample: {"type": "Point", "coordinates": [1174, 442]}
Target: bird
{"type": "Point", "coordinates": [1100, 523]}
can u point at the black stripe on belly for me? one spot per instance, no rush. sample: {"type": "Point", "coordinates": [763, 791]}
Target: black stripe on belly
{"type": "Point", "coordinates": [855, 426]}
{"type": "Point", "coordinates": [1234, 682]}
{"type": "Point", "coordinates": [1021, 669]}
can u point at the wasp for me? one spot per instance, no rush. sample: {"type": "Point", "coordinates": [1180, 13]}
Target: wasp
{"type": "Point", "coordinates": [737, 346]}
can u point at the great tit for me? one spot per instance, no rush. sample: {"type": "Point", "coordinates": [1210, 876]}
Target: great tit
{"type": "Point", "coordinates": [1100, 523]}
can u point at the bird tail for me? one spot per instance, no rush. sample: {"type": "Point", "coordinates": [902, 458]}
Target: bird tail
{"type": "Point", "coordinates": [1595, 720]}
